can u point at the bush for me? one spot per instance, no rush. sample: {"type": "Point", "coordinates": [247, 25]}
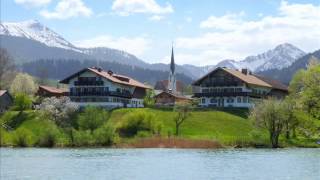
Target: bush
{"type": "Point", "coordinates": [138, 121]}
{"type": "Point", "coordinates": [82, 138]}
{"type": "Point", "coordinates": [92, 118]}
{"type": "Point", "coordinates": [22, 138]}
{"type": "Point", "coordinates": [104, 136]}
{"type": "Point", "coordinates": [143, 134]}
{"type": "Point", "coordinates": [4, 137]}
{"type": "Point", "coordinates": [22, 102]}
{"type": "Point", "coordinates": [13, 120]}
{"type": "Point", "coordinates": [47, 139]}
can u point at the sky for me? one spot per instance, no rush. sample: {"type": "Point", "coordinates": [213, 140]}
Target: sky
{"type": "Point", "coordinates": [203, 32]}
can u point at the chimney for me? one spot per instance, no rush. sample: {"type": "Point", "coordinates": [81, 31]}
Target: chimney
{"type": "Point", "coordinates": [97, 68]}
{"type": "Point", "coordinates": [110, 72]}
{"type": "Point", "coordinates": [244, 71]}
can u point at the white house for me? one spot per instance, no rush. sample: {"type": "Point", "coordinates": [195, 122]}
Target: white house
{"type": "Point", "coordinates": [93, 86]}
{"type": "Point", "coordinates": [224, 87]}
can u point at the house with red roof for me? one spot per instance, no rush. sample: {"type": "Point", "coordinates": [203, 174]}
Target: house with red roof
{"type": "Point", "coordinates": [96, 87]}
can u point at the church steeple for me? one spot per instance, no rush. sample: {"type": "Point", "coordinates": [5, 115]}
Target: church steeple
{"type": "Point", "coordinates": [172, 75]}
{"type": "Point", "coordinates": [172, 65]}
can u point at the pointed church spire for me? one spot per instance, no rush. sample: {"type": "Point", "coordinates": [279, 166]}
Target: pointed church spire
{"type": "Point", "coordinates": [172, 65]}
{"type": "Point", "coordinates": [172, 75]}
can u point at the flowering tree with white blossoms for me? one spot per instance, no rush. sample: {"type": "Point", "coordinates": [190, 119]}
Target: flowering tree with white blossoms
{"type": "Point", "coordinates": [59, 110]}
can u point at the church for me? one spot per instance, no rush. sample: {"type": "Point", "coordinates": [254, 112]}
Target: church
{"type": "Point", "coordinates": [169, 92]}
{"type": "Point", "coordinates": [170, 84]}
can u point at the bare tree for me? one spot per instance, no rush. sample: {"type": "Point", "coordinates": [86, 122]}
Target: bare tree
{"type": "Point", "coordinates": [183, 113]}
{"type": "Point", "coordinates": [6, 67]}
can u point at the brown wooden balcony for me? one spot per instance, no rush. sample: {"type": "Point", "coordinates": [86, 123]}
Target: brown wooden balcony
{"type": "Point", "coordinates": [229, 94]}
{"type": "Point", "coordinates": [104, 93]}
{"type": "Point", "coordinates": [88, 83]}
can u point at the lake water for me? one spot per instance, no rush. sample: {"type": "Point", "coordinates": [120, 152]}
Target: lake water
{"type": "Point", "coordinates": [154, 164]}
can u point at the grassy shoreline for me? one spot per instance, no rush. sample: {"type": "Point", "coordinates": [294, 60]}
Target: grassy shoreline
{"type": "Point", "coordinates": [205, 128]}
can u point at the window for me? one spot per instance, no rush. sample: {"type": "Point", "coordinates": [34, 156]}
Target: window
{"type": "Point", "coordinates": [203, 100]}
{"type": "Point", "coordinates": [230, 100]}
{"type": "Point", "coordinates": [239, 99]}
{"type": "Point", "coordinates": [205, 90]}
{"type": "Point", "coordinates": [238, 89]}
{"type": "Point", "coordinates": [245, 99]}
{"type": "Point", "coordinates": [213, 100]}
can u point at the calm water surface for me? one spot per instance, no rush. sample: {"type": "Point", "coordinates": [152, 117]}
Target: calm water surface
{"type": "Point", "coordinates": [168, 164]}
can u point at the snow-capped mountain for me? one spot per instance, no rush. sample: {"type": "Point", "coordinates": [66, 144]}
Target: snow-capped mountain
{"type": "Point", "coordinates": [30, 40]}
{"type": "Point", "coordinates": [34, 30]}
{"type": "Point", "coordinates": [280, 57]}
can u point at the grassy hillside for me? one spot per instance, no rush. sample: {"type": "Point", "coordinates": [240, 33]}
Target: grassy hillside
{"type": "Point", "coordinates": [226, 126]}
{"type": "Point", "coordinates": [229, 127]}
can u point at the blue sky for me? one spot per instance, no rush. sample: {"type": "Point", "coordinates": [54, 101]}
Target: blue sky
{"type": "Point", "coordinates": [203, 31]}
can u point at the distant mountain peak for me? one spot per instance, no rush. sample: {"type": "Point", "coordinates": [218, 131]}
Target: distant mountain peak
{"type": "Point", "coordinates": [283, 55]}
{"type": "Point", "coordinates": [34, 30]}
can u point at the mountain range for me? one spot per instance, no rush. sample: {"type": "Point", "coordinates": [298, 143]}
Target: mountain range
{"type": "Point", "coordinates": [29, 41]}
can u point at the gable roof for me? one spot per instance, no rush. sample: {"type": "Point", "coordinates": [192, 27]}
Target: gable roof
{"type": "Point", "coordinates": [116, 78]}
{"type": "Point", "coordinates": [274, 83]}
{"type": "Point", "coordinates": [174, 95]}
{"type": "Point", "coordinates": [53, 89]}
{"type": "Point", "coordinates": [163, 85]}
{"type": "Point", "coordinates": [249, 79]}
{"type": "Point", "coordinates": [2, 92]}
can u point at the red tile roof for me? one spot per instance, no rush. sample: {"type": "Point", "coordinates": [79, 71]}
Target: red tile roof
{"type": "Point", "coordinates": [250, 79]}
{"type": "Point", "coordinates": [53, 89]}
{"type": "Point", "coordinates": [116, 78]}
{"type": "Point", "coordinates": [174, 95]}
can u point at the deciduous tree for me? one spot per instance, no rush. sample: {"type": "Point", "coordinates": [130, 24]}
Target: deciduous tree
{"type": "Point", "coordinates": [59, 110]}
{"type": "Point", "coordinates": [270, 114]}
{"type": "Point", "coordinates": [183, 112]}
{"type": "Point", "coordinates": [305, 89]}
{"type": "Point", "coordinates": [23, 83]}
{"type": "Point", "coordinates": [92, 118]}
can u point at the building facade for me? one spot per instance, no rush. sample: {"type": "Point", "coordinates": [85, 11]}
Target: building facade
{"type": "Point", "coordinates": [6, 100]}
{"type": "Point", "coordinates": [96, 87]}
{"type": "Point", "coordinates": [170, 99]}
{"type": "Point", "coordinates": [224, 87]}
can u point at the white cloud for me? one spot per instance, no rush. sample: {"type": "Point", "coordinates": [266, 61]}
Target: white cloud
{"type": "Point", "coordinates": [226, 22]}
{"type": "Point", "coordinates": [33, 3]}
{"type": "Point", "coordinates": [156, 18]}
{"type": "Point", "coordinates": [135, 45]}
{"type": "Point", "coordinates": [127, 7]}
{"type": "Point", "coordinates": [66, 9]}
{"type": "Point", "coordinates": [230, 36]}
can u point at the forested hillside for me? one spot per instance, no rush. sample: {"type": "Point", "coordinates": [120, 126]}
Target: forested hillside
{"type": "Point", "coordinates": [59, 69]}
